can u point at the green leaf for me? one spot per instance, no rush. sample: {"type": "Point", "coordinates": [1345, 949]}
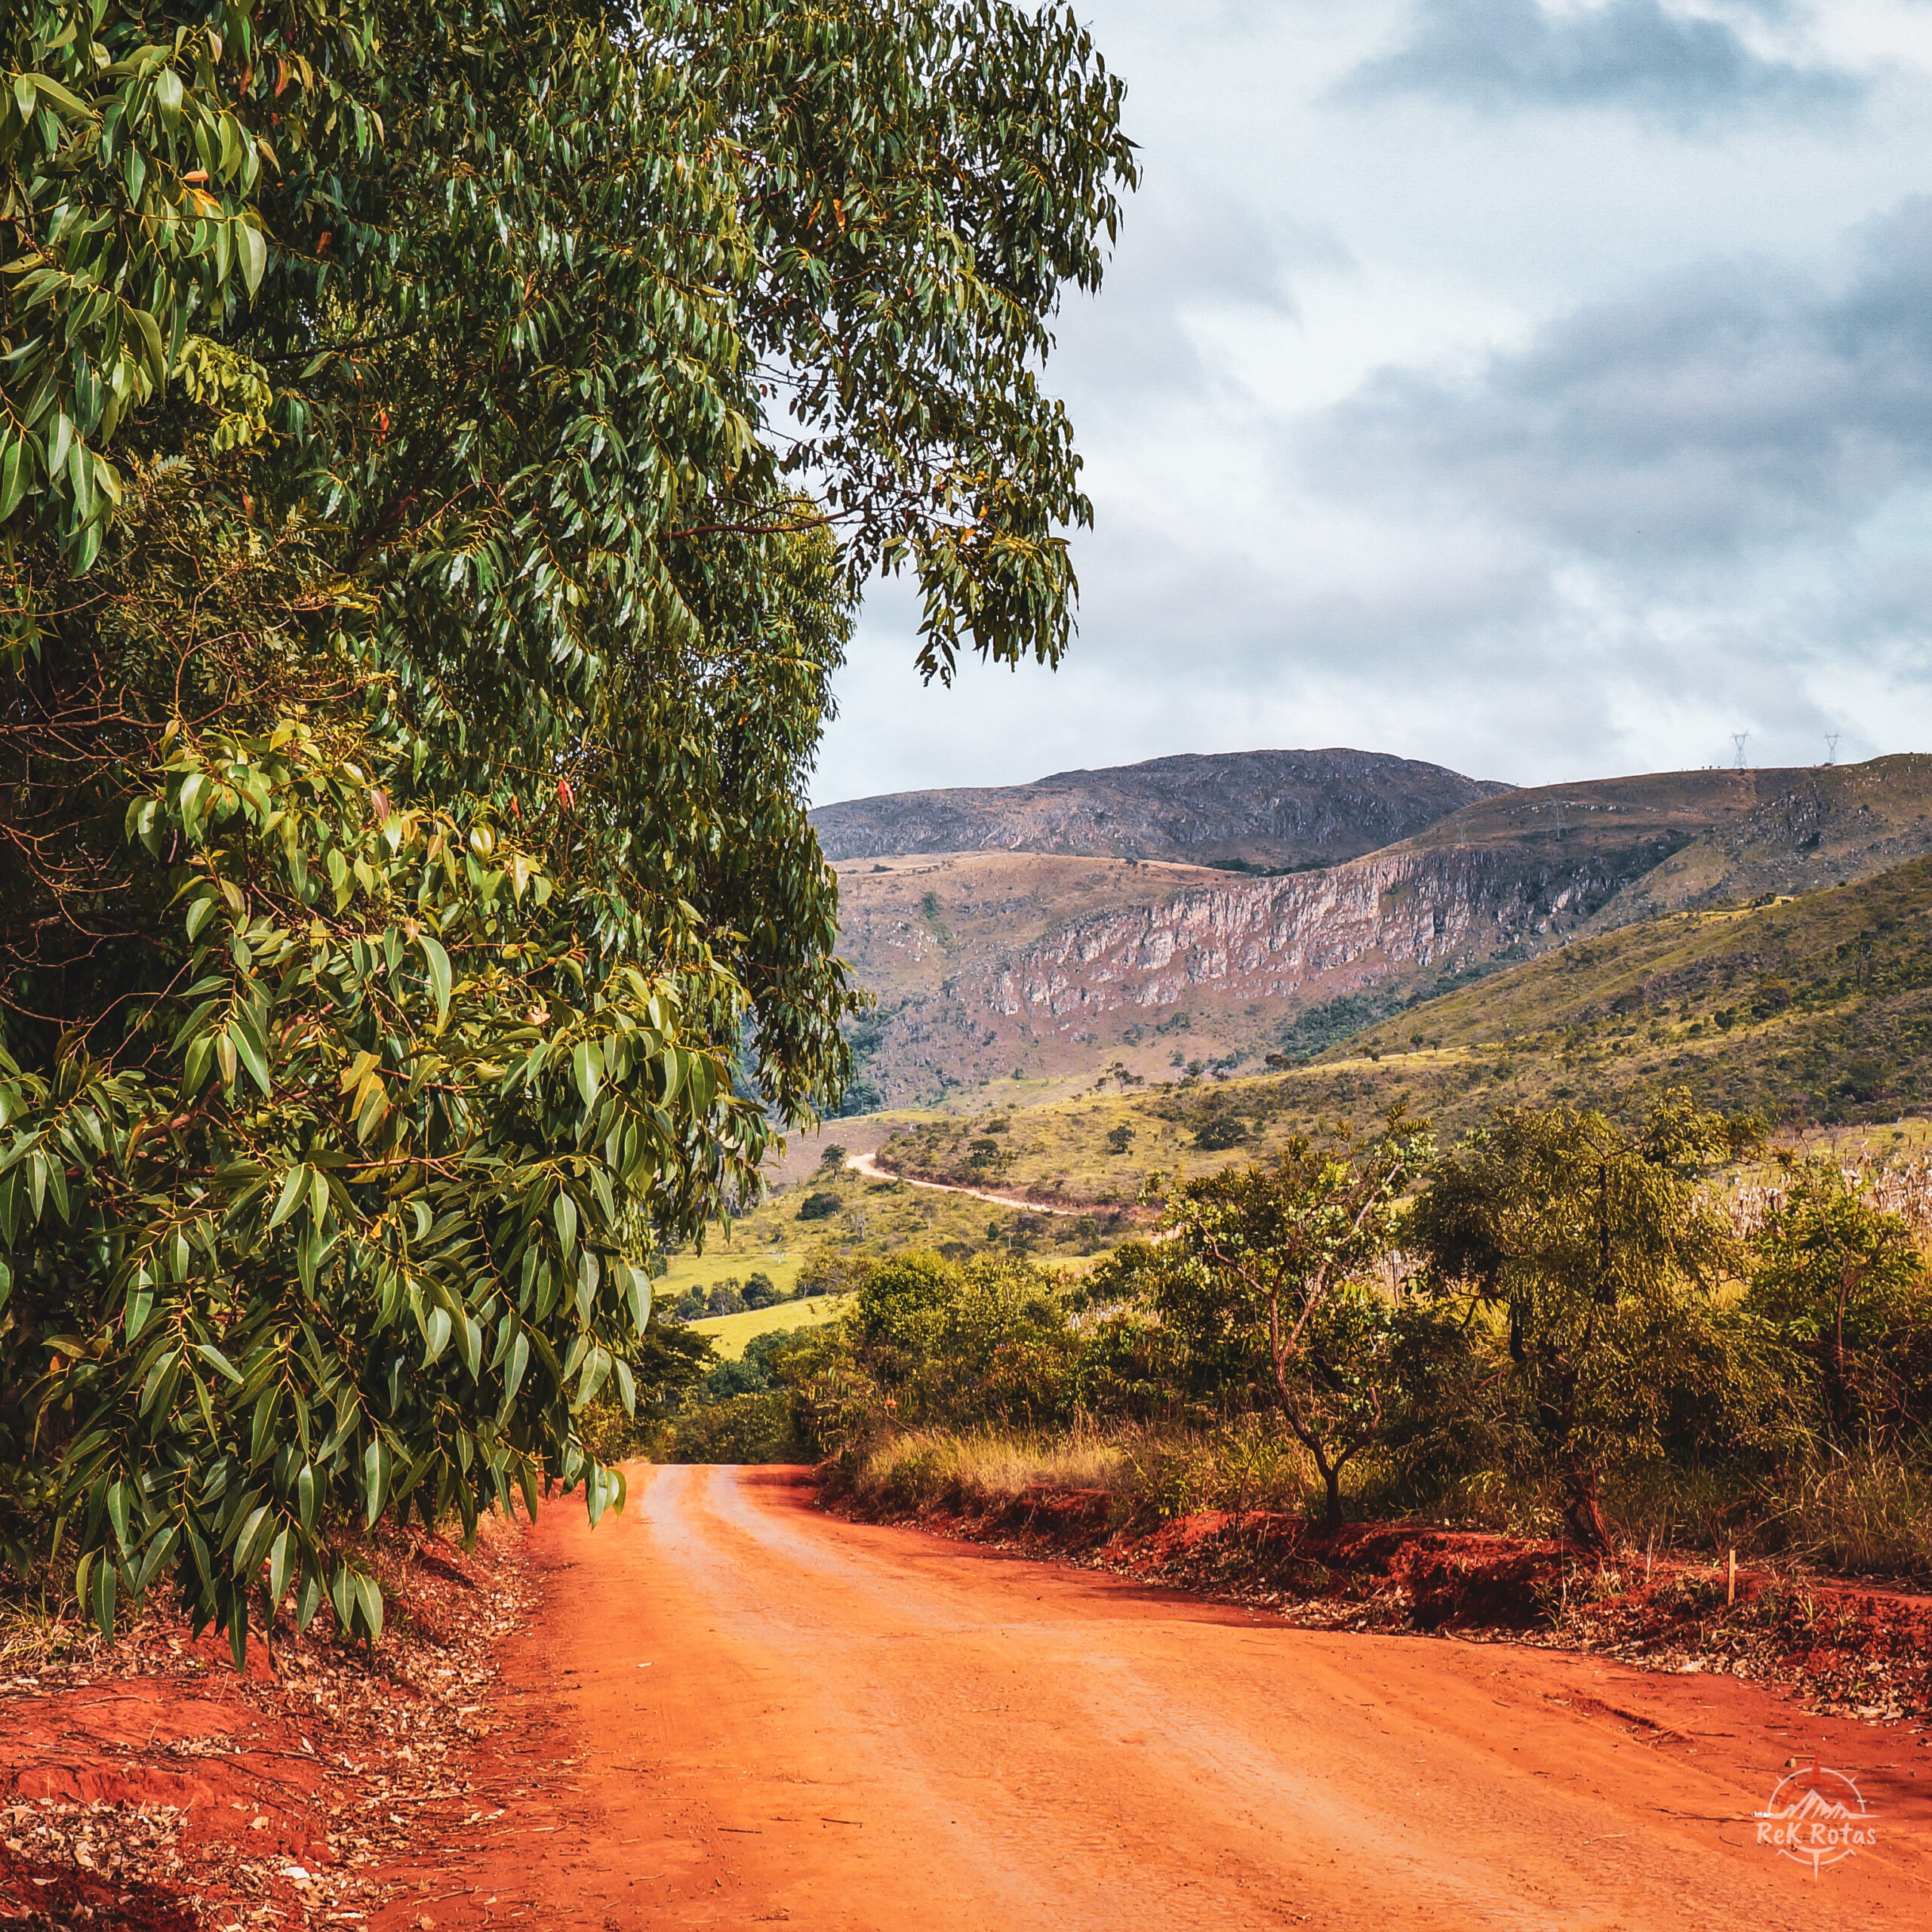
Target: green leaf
{"type": "Point", "coordinates": [369, 1602]}
{"type": "Point", "coordinates": [59, 447]}
{"type": "Point", "coordinates": [281, 1554]}
{"type": "Point", "coordinates": [16, 468]}
{"type": "Point", "coordinates": [215, 1359]}
{"type": "Point", "coordinates": [246, 1558]}
{"type": "Point", "coordinates": [469, 1345]}
{"type": "Point", "coordinates": [261, 1437]}
{"type": "Point", "coordinates": [637, 1285]}
{"type": "Point", "coordinates": [195, 1064]}
{"type": "Point", "coordinates": [251, 1056]}
{"type": "Point", "coordinates": [251, 248]}
{"type": "Point", "coordinates": [564, 1212]}
{"type": "Point", "coordinates": [51, 90]}
{"type": "Point", "coordinates": [158, 1551]}
{"type": "Point", "coordinates": [437, 961]}
{"type": "Point", "coordinates": [588, 1064]}
{"type": "Point", "coordinates": [105, 1581]}
{"type": "Point", "coordinates": [294, 1190]}
{"type": "Point", "coordinates": [117, 1511]}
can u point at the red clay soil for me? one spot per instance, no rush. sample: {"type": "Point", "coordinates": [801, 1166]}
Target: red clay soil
{"type": "Point", "coordinates": [143, 1784]}
{"type": "Point", "coordinates": [1853, 1650]}
{"type": "Point", "coordinates": [734, 1708]}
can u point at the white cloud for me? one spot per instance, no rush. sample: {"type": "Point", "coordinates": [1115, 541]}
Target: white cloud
{"type": "Point", "coordinates": [1535, 444]}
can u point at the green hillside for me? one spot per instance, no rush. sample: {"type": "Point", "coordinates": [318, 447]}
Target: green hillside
{"type": "Point", "coordinates": [1814, 1010]}
{"type": "Point", "coordinates": [1811, 1010]}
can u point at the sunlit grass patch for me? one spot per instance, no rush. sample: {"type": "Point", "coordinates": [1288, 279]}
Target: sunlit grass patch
{"type": "Point", "coordinates": [730, 1334]}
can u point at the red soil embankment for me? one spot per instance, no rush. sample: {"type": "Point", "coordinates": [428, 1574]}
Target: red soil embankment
{"type": "Point", "coordinates": [144, 1783]}
{"type": "Point", "coordinates": [1861, 1649]}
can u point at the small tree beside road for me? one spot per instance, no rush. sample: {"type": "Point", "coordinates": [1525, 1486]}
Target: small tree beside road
{"type": "Point", "coordinates": [1268, 1263]}
{"type": "Point", "coordinates": [1603, 1253]}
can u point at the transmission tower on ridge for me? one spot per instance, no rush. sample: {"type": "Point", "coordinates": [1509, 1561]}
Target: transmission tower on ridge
{"type": "Point", "coordinates": [1738, 739]}
{"type": "Point", "coordinates": [1832, 746]}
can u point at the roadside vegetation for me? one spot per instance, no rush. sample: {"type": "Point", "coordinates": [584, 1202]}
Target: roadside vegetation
{"type": "Point", "coordinates": [1662, 1334]}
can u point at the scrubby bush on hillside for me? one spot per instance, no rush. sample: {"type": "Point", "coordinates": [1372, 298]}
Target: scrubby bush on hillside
{"type": "Point", "coordinates": [1264, 1271]}
{"type": "Point", "coordinates": [1603, 1256]}
{"type": "Point", "coordinates": [1845, 1286]}
{"type": "Point", "coordinates": [761, 1291]}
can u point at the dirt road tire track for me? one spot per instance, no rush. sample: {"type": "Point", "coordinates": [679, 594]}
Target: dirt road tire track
{"type": "Point", "coordinates": [737, 1710]}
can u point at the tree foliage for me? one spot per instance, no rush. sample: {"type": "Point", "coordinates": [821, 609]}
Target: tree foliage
{"type": "Point", "coordinates": [1844, 1284]}
{"type": "Point", "coordinates": [1605, 1256]}
{"type": "Point", "coordinates": [439, 451]}
{"type": "Point", "coordinates": [1268, 1258]}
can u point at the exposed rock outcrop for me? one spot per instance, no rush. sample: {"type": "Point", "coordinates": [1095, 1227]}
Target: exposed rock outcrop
{"type": "Point", "coordinates": [1275, 939]}
{"type": "Point", "coordinates": [1147, 966]}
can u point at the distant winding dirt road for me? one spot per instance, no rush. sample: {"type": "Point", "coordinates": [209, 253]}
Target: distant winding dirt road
{"type": "Point", "coordinates": [867, 1164]}
{"type": "Point", "coordinates": [735, 1710]}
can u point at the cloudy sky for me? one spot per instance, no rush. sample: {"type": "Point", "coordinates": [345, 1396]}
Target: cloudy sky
{"type": "Point", "coordinates": [1540, 387]}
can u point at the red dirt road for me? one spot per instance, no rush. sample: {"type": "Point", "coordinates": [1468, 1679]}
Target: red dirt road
{"type": "Point", "coordinates": [742, 1711]}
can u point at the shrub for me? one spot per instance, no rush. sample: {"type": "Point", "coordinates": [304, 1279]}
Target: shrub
{"type": "Point", "coordinates": [747, 1428]}
{"type": "Point", "coordinates": [819, 1207]}
{"type": "Point", "coordinates": [1600, 1252]}
{"type": "Point", "coordinates": [1845, 1285]}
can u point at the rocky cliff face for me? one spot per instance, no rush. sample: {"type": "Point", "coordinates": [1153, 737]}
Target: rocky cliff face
{"type": "Point", "coordinates": [1275, 940]}
{"type": "Point", "coordinates": [1213, 970]}
{"type": "Point", "coordinates": [1264, 809]}
{"type": "Point", "coordinates": [1147, 965]}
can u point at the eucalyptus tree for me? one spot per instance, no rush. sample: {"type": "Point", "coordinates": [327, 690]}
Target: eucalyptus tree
{"type": "Point", "coordinates": [440, 451]}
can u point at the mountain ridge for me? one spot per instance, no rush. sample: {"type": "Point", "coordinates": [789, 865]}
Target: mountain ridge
{"type": "Point", "coordinates": [1258, 810]}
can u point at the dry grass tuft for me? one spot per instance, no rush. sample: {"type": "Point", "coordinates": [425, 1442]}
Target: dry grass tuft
{"type": "Point", "coordinates": [1246, 1464]}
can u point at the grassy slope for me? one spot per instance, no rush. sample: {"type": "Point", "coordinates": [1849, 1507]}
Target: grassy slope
{"type": "Point", "coordinates": [881, 1214]}
{"type": "Point", "coordinates": [873, 1216]}
{"type": "Point", "coordinates": [1817, 1009]}
{"type": "Point", "coordinates": [729, 1334]}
